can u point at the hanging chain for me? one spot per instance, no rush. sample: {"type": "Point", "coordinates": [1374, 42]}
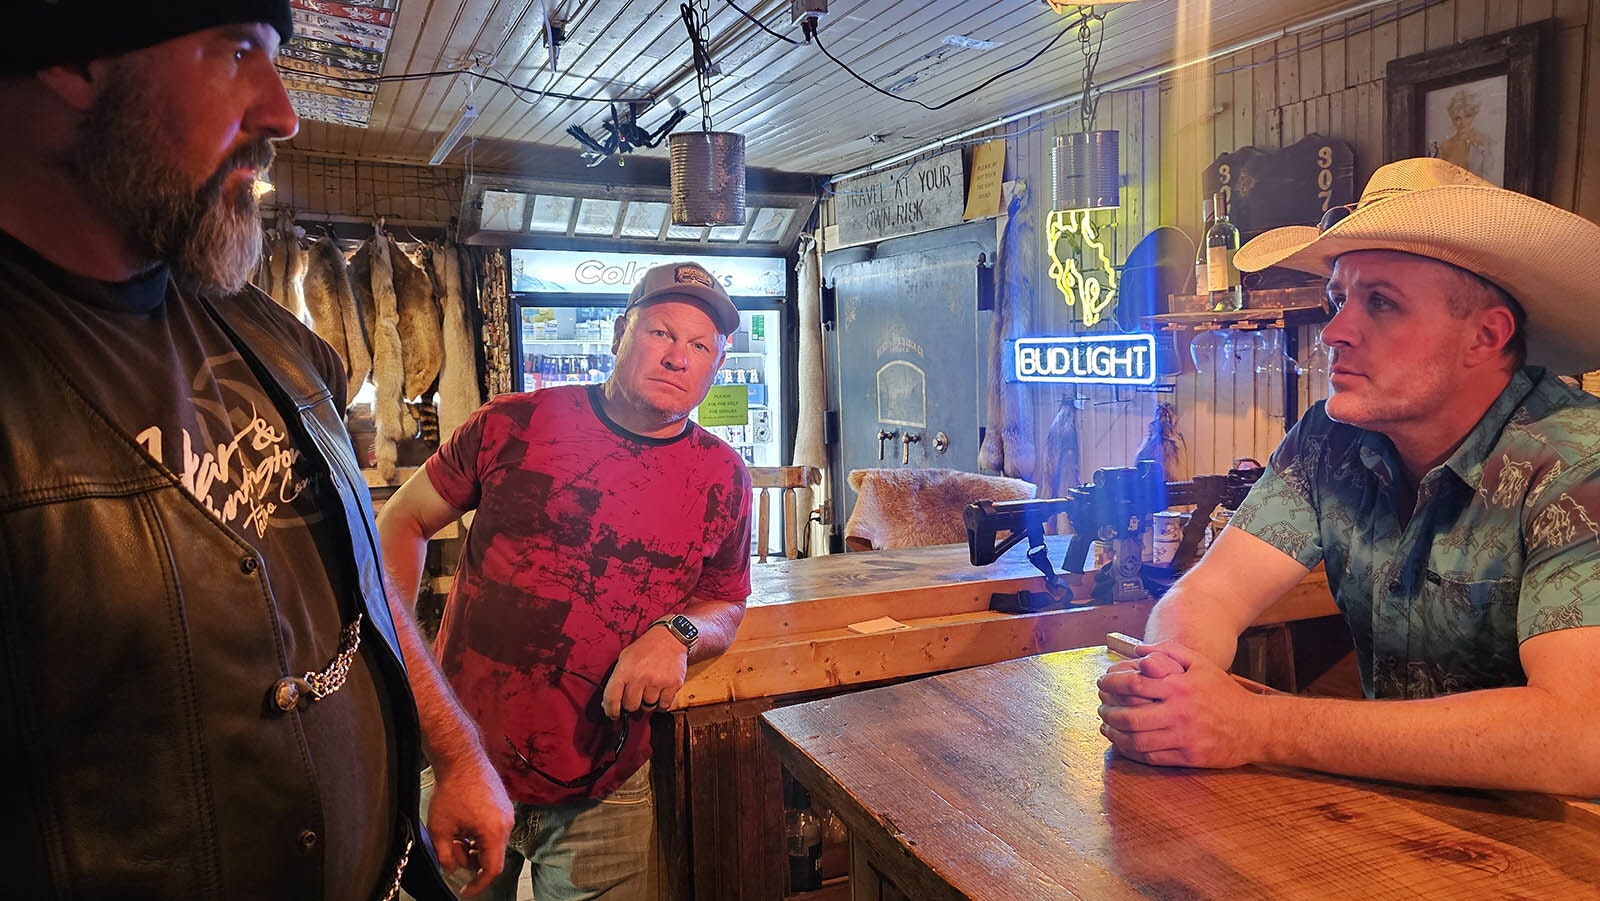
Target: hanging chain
{"type": "Point", "coordinates": [697, 16]}
{"type": "Point", "coordinates": [332, 678]}
{"type": "Point", "coordinates": [1089, 42]}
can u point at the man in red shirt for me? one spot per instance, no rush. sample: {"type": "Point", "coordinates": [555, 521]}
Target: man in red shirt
{"type": "Point", "coordinates": [611, 546]}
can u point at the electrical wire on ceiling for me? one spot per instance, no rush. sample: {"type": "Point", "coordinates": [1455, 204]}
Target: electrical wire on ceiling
{"type": "Point", "coordinates": [762, 25]}
{"type": "Point", "coordinates": [809, 27]}
{"type": "Point", "coordinates": [483, 76]}
{"type": "Point", "coordinates": [702, 57]}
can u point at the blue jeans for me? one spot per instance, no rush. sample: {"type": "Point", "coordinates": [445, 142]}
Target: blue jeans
{"type": "Point", "coordinates": [582, 850]}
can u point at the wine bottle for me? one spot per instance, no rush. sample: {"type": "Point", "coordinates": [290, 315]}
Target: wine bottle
{"type": "Point", "coordinates": [1207, 216]}
{"type": "Point", "coordinates": [803, 838]}
{"type": "Point", "coordinates": [1222, 276]}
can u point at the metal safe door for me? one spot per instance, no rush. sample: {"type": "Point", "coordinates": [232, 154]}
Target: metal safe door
{"type": "Point", "coordinates": [907, 344]}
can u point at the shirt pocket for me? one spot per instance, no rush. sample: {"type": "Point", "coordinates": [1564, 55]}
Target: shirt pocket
{"type": "Point", "coordinates": [1468, 630]}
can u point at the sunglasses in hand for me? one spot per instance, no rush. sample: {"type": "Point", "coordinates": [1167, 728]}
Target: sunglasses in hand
{"type": "Point", "coordinates": [614, 746]}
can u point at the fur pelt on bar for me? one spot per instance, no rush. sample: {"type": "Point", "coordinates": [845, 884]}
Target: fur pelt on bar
{"type": "Point", "coordinates": [916, 507]}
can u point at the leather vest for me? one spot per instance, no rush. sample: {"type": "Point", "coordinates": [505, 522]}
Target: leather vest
{"type": "Point", "coordinates": [139, 643]}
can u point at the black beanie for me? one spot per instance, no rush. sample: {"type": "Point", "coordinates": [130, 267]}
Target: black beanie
{"type": "Point", "coordinates": [58, 32]}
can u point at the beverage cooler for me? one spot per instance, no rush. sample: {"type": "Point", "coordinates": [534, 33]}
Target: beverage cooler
{"type": "Point", "coordinates": [566, 301]}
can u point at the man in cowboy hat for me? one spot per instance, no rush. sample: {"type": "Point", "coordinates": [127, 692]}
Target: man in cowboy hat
{"type": "Point", "coordinates": [1451, 485]}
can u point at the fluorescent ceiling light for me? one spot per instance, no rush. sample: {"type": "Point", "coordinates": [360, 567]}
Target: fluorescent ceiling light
{"type": "Point", "coordinates": [468, 113]}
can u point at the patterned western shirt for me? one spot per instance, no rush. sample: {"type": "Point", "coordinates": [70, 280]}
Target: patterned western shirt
{"type": "Point", "coordinates": [1504, 543]}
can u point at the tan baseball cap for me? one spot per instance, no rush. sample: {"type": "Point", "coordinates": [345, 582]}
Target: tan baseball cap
{"type": "Point", "coordinates": [689, 282]}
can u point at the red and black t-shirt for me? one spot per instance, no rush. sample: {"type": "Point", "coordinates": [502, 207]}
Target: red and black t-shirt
{"type": "Point", "coordinates": [584, 534]}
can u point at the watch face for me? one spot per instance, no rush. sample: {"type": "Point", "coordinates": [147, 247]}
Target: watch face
{"type": "Point", "coordinates": [686, 630]}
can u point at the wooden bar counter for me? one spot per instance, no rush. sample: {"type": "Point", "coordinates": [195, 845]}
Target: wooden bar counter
{"type": "Point", "coordinates": [995, 783]}
{"type": "Point", "coordinates": [719, 781]}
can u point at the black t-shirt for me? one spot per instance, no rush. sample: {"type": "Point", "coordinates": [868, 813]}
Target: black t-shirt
{"type": "Point", "coordinates": [174, 380]}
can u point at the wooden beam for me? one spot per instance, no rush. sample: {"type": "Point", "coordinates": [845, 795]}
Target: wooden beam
{"type": "Point", "coordinates": [841, 657]}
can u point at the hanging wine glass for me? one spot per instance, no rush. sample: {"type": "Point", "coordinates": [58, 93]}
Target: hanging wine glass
{"type": "Point", "coordinates": [1271, 359]}
{"type": "Point", "coordinates": [1203, 349]}
{"type": "Point", "coordinates": [1317, 364]}
{"type": "Point", "coordinates": [1233, 352]}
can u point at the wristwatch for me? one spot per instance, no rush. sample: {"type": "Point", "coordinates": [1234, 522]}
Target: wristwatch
{"type": "Point", "coordinates": [681, 628]}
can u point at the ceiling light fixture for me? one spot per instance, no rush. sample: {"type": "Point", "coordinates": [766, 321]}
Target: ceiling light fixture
{"type": "Point", "coordinates": [1086, 176]}
{"type": "Point", "coordinates": [623, 133]}
{"type": "Point", "coordinates": [1085, 164]}
{"type": "Point", "coordinates": [464, 119]}
{"type": "Point", "coordinates": [707, 166]}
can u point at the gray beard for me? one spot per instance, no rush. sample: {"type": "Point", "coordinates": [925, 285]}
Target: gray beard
{"type": "Point", "coordinates": [211, 240]}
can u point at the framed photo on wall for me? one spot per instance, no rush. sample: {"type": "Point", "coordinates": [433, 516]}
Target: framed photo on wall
{"type": "Point", "coordinates": [1479, 104]}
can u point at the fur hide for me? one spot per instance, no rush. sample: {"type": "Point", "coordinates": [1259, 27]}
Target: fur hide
{"type": "Point", "coordinates": [360, 267]}
{"type": "Point", "coordinates": [1008, 442]}
{"type": "Point", "coordinates": [393, 422]}
{"type": "Point", "coordinates": [421, 332]}
{"type": "Point", "coordinates": [813, 395]}
{"type": "Point", "coordinates": [1164, 444]}
{"type": "Point", "coordinates": [263, 275]}
{"type": "Point", "coordinates": [285, 266]}
{"type": "Point", "coordinates": [916, 507]}
{"type": "Point", "coordinates": [458, 372]}
{"type": "Point", "coordinates": [331, 304]}
{"type": "Point", "coordinates": [299, 262]}
{"type": "Point", "coordinates": [1060, 465]}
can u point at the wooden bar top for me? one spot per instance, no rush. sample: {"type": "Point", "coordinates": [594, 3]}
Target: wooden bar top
{"type": "Point", "coordinates": [797, 636]}
{"type": "Point", "coordinates": [995, 783]}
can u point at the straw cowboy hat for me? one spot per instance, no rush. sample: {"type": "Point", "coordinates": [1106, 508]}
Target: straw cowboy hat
{"type": "Point", "coordinates": [1545, 257]}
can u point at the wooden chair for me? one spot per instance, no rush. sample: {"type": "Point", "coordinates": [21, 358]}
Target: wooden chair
{"type": "Point", "coordinates": [785, 479]}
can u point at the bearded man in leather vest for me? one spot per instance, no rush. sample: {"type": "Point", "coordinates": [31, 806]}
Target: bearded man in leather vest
{"type": "Point", "coordinates": [202, 687]}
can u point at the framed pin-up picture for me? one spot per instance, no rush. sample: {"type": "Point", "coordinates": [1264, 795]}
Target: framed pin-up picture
{"type": "Point", "coordinates": [1480, 104]}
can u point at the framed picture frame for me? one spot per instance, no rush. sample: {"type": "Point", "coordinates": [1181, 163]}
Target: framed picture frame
{"type": "Point", "coordinates": [1479, 104]}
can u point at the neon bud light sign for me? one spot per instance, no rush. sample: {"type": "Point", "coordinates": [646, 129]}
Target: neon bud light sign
{"type": "Point", "coordinates": [1090, 359]}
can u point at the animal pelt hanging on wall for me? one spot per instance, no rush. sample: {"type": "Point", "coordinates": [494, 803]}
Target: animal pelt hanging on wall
{"type": "Point", "coordinates": [388, 413]}
{"type": "Point", "coordinates": [1060, 469]}
{"type": "Point", "coordinates": [361, 287]}
{"type": "Point", "coordinates": [1008, 442]}
{"type": "Point", "coordinates": [458, 372]}
{"type": "Point", "coordinates": [1164, 444]}
{"type": "Point", "coordinates": [331, 304]}
{"type": "Point", "coordinates": [809, 449]}
{"type": "Point", "coordinates": [284, 264]}
{"type": "Point", "coordinates": [421, 332]}
{"type": "Point", "coordinates": [263, 275]}
{"type": "Point", "coordinates": [299, 264]}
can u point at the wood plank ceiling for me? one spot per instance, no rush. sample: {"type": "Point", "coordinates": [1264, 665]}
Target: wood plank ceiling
{"type": "Point", "coordinates": [799, 111]}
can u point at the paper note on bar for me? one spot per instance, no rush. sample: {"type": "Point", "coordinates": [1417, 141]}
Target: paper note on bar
{"type": "Point", "coordinates": [881, 624]}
